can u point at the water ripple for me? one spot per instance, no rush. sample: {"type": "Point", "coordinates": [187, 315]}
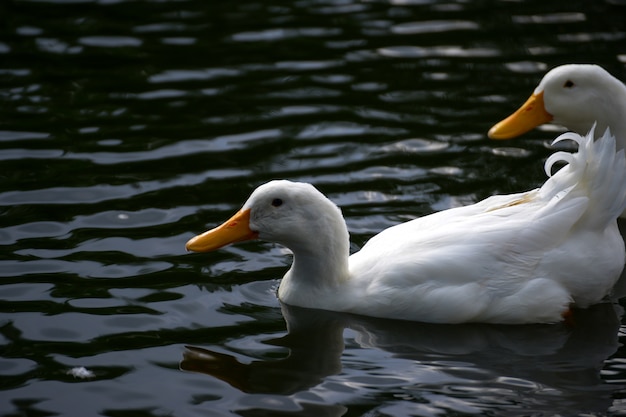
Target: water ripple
{"type": "Point", "coordinates": [454, 51]}
{"type": "Point", "coordinates": [128, 127]}
{"type": "Point", "coordinates": [433, 26]}
{"type": "Point", "coordinates": [278, 34]}
{"type": "Point", "coordinates": [110, 41]}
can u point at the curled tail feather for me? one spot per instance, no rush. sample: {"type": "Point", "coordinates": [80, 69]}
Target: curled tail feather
{"type": "Point", "coordinates": [596, 171]}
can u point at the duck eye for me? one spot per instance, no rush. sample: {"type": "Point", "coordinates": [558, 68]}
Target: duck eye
{"type": "Point", "coordinates": [568, 84]}
{"type": "Point", "coordinates": [277, 202]}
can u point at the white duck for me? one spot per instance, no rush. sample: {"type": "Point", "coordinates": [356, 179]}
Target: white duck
{"type": "Point", "coordinates": [576, 96]}
{"type": "Point", "coordinates": [521, 258]}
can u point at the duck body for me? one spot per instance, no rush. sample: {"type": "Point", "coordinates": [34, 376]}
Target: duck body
{"type": "Point", "coordinates": [508, 267]}
{"type": "Point", "coordinates": [520, 258]}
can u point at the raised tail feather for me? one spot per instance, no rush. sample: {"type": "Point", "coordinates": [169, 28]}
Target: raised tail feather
{"type": "Point", "coordinates": [596, 171]}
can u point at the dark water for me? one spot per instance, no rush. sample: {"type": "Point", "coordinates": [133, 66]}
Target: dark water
{"type": "Point", "coordinates": [129, 126]}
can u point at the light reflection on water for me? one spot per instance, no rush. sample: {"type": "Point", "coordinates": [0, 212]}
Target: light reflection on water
{"type": "Point", "coordinates": [128, 127]}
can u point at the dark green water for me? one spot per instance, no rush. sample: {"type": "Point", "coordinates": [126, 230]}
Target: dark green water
{"type": "Point", "coordinates": [129, 126]}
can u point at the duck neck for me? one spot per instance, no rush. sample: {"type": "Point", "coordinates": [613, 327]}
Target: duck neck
{"type": "Point", "coordinates": [617, 126]}
{"type": "Point", "coordinates": [611, 114]}
{"type": "Point", "coordinates": [320, 264]}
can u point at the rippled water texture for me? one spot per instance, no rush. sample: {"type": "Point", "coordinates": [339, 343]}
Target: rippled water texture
{"type": "Point", "coordinates": [129, 126]}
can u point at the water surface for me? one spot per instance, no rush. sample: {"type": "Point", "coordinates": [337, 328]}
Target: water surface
{"type": "Point", "coordinates": [130, 126]}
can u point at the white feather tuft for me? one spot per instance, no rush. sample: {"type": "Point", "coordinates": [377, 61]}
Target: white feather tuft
{"type": "Point", "coordinates": [595, 171]}
{"type": "Point", "coordinates": [81, 372]}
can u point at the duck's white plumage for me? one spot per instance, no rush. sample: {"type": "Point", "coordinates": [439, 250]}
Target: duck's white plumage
{"type": "Point", "coordinates": [521, 258]}
{"type": "Point", "coordinates": [576, 96]}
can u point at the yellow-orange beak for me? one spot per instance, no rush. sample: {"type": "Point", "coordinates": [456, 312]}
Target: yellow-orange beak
{"type": "Point", "coordinates": [532, 114]}
{"type": "Point", "coordinates": [236, 229]}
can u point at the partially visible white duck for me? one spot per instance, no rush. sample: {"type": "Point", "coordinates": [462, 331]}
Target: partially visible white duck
{"type": "Point", "coordinates": [521, 258]}
{"type": "Point", "coordinates": [576, 96]}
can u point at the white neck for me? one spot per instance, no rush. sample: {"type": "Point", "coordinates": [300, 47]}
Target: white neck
{"type": "Point", "coordinates": [320, 262]}
{"type": "Point", "coordinates": [618, 125]}
{"type": "Point", "coordinates": [612, 115]}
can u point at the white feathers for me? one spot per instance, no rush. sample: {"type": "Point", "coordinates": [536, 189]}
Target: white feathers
{"type": "Point", "coordinates": [81, 372]}
{"type": "Point", "coordinates": [521, 258]}
{"type": "Point", "coordinates": [596, 171]}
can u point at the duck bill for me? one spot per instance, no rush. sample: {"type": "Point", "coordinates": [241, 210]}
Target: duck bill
{"type": "Point", "coordinates": [235, 229]}
{"type": "Point", "coordinates": [532, 114]}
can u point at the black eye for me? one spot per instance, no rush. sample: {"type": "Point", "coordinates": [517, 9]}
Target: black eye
{"type": "Point", "coordinates": [277, 202]}
{"type": "Point", "coordinates": [568, 84]}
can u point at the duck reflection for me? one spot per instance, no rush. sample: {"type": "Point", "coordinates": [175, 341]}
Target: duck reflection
{"type": "Point", "coordinates": [562, 356]}
{"type": "Point", "coordinates": [315, 342]}
{"type": "Point", "coordinates": [619, 290]}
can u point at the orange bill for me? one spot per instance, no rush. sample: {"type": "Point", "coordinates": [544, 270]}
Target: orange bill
{"type": "Point", "coordinates": [236, 229]}
{"type": "Point", "coordinates": [532, 114]}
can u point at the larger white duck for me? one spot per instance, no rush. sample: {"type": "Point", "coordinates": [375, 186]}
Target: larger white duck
{"type": "Point", "coordinates": [521, 258]}
{"type": "Point", "coordinates": [576, 96]}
